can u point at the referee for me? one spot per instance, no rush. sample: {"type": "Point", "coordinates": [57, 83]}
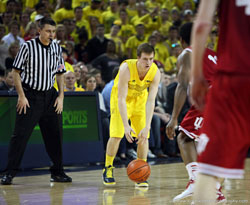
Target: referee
{"type": "Point", "coordinates": [35, 67]}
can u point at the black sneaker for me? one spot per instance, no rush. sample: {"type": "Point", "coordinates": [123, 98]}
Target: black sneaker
{"type": "Point", "coordinates": [61, 177]}
{"type": "Point", "coordinates": [7, 179]}
{"type": "Point", "coordinates": [108, 178]}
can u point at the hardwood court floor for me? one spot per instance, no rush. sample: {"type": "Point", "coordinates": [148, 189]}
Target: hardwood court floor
{"type": "Point", "coordinates": [166, 181]}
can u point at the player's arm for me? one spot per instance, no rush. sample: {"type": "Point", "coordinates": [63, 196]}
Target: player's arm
{"type": "Point", "coordinates": [150, 105]}
{"type": "Point", "coordinates": [124, 77]}
{"type": "Point", "coordinates": [200, 32]}
{"type": "Point", "coordinates": [22, 102]}
{"type": "Point", "coordinates": [180, 96]}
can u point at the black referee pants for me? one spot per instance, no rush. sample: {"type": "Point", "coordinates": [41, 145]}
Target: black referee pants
{"type": "Point", "coordinates": [41, 111]}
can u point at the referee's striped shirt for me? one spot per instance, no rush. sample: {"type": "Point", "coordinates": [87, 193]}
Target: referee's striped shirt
{"type": "Point", "coordinates": [39, 64]}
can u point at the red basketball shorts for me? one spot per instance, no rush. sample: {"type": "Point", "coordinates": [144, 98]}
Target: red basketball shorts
{"type": "Point", "coordinates": [192, 123]}
{"type": "Point", "coordinates": [225, 134]}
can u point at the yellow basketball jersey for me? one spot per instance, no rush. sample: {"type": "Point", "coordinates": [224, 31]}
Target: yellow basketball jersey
{"type": "Point", "coordinates": [137, 87]}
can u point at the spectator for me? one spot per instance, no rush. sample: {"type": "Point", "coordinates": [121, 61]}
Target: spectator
{"type": "Point", "coordinates": [13, 50]}
{"type": "Point", "coordinates": [84, 72]}
{"type": "Point", "coordinates": [66, 12]}
{"type": "Point", "coordinates": [3, 48]}
{"type": "Point", "coordinates": [107, 62]}
{"type": "Point", "coordinates": [8, 82]}
{"type": "Point", "coordinates": [77, 72]}
{"type": "Point", "coordinates": [93, 22]}
{"type": "Point", "coordinates": [161, 51]}
{"type": "Point", "coordinates": [11, 6]}
{"type": "Point", "coordinates": [7, 17]}
{"type": "Point", "coordinates": [24, 20]}
{"type": "Point", "coordinates": [98, 76]}
{"type": "Point", "coordinates": [80, 48]}
{"type": "Point", "coordinates": [173, 36]}
{"type": "Point", "coordinates": [113, 35]}
{"type": "Point", "coordinates": [131, 9]}
{"type": "Point", "coordinates": [61, 35]}
{"type": "Point", "coordinates": [39, 10]}
{"type": "Point", "coordinates": [170, 64]}
{"type": "Point", "coordinates": [70, 45]}
{"type": "Point", "coordinates": [164, 22]}
{"type": "Point", "coordinates": [134, 41]}
{"type": "Point", "coordinates": [30, 31]}
{"type": "Point", "coordinates": [127, 30]}
{"type": "Point", "coordinates": [13, 35]}
{"type": "Point", "coordinates": [93, 10]}
{"type": "Point", "coordinates": [65, 55]}
{"type": "Point", "coordinates": [187, 16]}
{"type": "Point", "coordinates": [99, 41]}
{"type": "Point", "coordinates": [110, 15]}
{"type": "Point", "coordinates": [70, 80]}
{"type": "Point", "coordinates": [70, 28]}
{"type": "Point", "coordinates": [80, 21]}
{"type": "Point", "coordinates": [176, 18]}
{"type": "Point", "coordinates": [141, 11]}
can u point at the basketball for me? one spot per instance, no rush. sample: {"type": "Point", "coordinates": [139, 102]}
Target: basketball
{"type": "Point", "coordinates": [138, 171]}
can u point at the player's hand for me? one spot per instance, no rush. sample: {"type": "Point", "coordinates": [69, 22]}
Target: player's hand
{"type": "Point", "coordinates": [128, 135]}
{"type": "Point", "coordinates": [22, 104]}
{"type": "Point", "coordinates": [59, 105]}
{"type": "Point", "coordinates": [170, 129]}
{"type": "Point", "coordinates": [143, 136]}
{"type": "Point", "coordinates": [199, 88]}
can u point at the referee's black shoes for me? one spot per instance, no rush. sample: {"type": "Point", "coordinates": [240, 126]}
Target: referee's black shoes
{"type": "Point", "coordinates": [60, 177]}
{"type": "Point", "coordinates": [7, 179]}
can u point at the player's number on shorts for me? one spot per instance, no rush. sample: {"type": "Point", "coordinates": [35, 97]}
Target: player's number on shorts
{"type": "Point", "coordinates": [198, 123]}
{"type": "Point", "coordinates": [245, 3]}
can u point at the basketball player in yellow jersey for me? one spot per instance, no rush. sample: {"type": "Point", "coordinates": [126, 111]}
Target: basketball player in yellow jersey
{"type": "Point", "coordinates": [131, 100]}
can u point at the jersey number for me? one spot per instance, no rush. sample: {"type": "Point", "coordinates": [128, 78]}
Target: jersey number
{"type": "Point", "coordinates": [245, 3]}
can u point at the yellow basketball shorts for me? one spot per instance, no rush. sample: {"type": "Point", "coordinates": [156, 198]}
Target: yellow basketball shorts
{"type": "Point", "coordinates": [136, 111]}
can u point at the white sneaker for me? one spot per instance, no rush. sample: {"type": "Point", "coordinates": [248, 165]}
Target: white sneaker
{"type": "Point", "coordinates": [187, 192]}
{"type": "Point", "coordinates": [151, 155]}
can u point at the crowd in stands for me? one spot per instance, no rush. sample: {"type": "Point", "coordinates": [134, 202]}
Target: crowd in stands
{"type": "Point", "coordinates": [96, 36]}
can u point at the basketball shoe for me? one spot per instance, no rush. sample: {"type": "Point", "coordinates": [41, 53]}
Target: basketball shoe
{"type": "Point", "coordinates": [142, 184]}
{"type": "Point", "coordinates": [187, 192]}
{"type": "Point", "coordinates": [108, 177]}
{"type": "Point", "coordinates": [220, 198]}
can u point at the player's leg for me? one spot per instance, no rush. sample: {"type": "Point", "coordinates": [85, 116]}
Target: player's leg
{"type": "Point", "coordinates": [142, 151]}
{"type": "Point", "coordinates": [224, 141]}
{"type": "Point", "coordinates": [187, 149]}
{"type": "Point", "coordinates": [138, 123]}
{"type": "Point", "coordinates": [205, 189]}
{"type": "Point", "coordinates": [187, 146]}
{"type": "Point", "coordinates": [116, 134]}
{"type": "Point", "coordinates": [111, 150]}
{"type": "Point", "coordinates": [189, 157]}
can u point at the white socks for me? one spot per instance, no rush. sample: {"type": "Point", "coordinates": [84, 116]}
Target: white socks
{"type": "Point", "coordinates": [192, 169]}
